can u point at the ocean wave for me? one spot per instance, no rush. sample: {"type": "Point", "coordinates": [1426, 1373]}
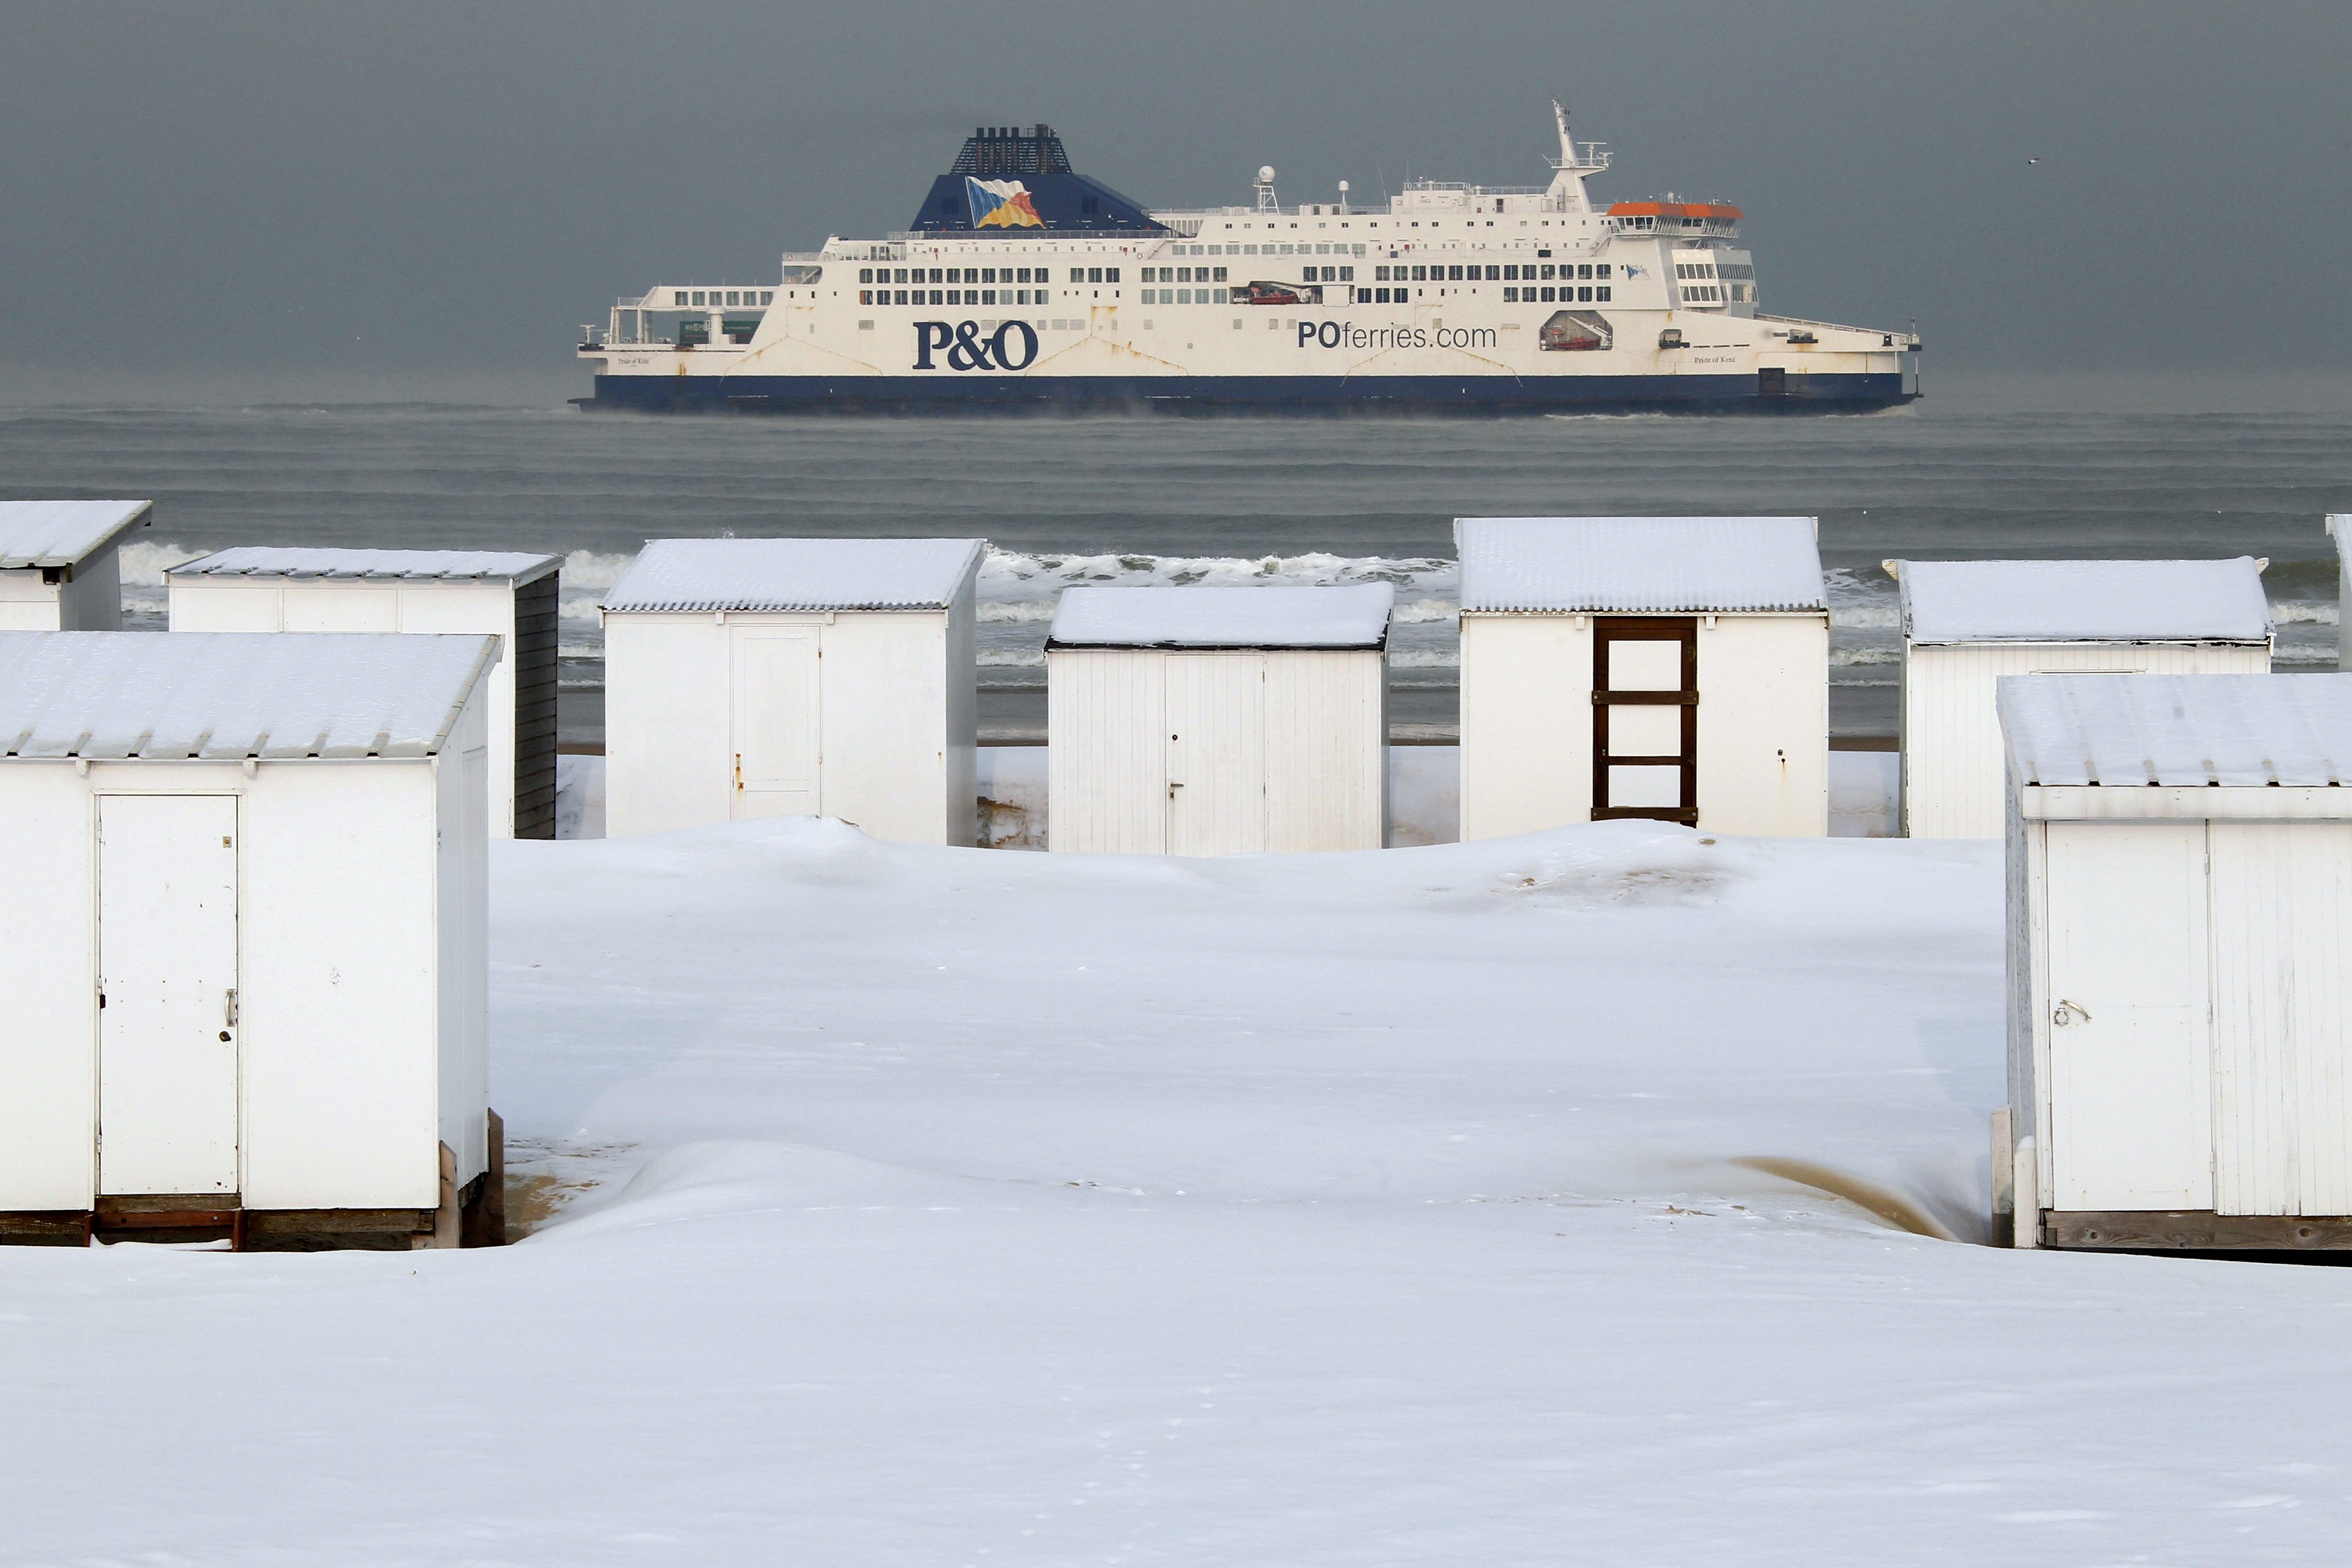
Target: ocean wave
{"type": "Point", "coordinates": [1012, 573]}
{"type": "Point", "coordinates": [144, 561]}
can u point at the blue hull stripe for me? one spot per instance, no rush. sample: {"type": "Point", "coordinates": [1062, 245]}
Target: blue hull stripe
{"type": "Point", "coordinates": [1305, 394]}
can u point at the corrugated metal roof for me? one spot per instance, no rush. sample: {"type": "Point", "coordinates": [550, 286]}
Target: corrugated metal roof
{"type": "Point", "coordinates": [2083, 601]}
{"type": "Point", "coordinates": [516, 566]}
{"type": "Point", "coordinates": [796, 574]}
{"type": "Point", "coordinates": [106, 695]}
{"type": "Point", "coordinates": [2126, 729]}
{"type": "Point", "coordinates": [1351, 616]}
{"type": "Point", "coordinates": [62, 533]}
{"type": "Point", "coordinates": [1666, 565]}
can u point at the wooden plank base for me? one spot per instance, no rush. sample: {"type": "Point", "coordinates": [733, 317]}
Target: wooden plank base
{"type": "Point", "coordinates": [2195, 1231]}
{"type": "Point", "coordinates": [45, 1227]}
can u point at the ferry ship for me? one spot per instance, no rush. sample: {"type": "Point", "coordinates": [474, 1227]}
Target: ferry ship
{"type": "Point", "coordinates": [1022, 284]}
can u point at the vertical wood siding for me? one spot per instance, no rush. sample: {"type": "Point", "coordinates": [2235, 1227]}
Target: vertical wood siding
{"type": "Point", "coordinates": [1954, 765]}
{"type": "Point", "coordinates": [534, 656]}
{"type": "Point", "coordinates": [2279, 1003]}
{"type": "Point", "coordinates": [1326, 748]}
{"type": "Point", "coordinates": [1106, 761]}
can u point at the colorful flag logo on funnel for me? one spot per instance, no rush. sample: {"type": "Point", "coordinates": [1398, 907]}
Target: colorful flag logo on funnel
{"type": "Point", "coordinates": [1001, 204]}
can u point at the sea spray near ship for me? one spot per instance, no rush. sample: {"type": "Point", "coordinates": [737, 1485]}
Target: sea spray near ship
{"type": "Point", "coordinates": [1024, 284]}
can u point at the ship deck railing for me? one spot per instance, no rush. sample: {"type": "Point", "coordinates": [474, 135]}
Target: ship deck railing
{"type": "Point", "coordinates": [1832, 326]}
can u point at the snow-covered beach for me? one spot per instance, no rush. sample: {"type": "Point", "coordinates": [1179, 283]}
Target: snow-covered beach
{"type": "Point", "coordinates": [962, 1207]}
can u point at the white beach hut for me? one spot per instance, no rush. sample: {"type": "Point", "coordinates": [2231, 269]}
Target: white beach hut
{"type": "Point", "coordinates": [2180, 962]}
{"type": "Point", "coordinates": [1966, 624]}
{"type": "Point", "coordinates": [58, 572]}
{"type": "Point", "coordinates": [510, 595]}
{"type": "Point", "coordinates": [1210, 721]}
{"type": "Point", "coordinates": [245, 925]}
{"type": "Point", "coordinates": [794, 677]}
{"type": "Point", "coordinates": [1675, 668]}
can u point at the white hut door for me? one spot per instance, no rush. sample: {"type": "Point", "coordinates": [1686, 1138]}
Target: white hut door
{"type": "Point", "coordinates": [1216, 753]}
{"type": "Point", "coordinates": [167, 987]}
{"type": "Point", "coordinates": [778, 756]}
{"type": "Point", "coordinates": [2130, 1073]}
{"type": "Point", "coordinates": [2281, 992]}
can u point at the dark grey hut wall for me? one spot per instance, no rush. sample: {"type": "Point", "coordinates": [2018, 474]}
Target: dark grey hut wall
{"type": "Point", "coordinates": [534, 672]}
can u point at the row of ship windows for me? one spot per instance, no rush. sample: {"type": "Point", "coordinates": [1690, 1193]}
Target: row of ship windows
{"type": "Point", "coordinates": [1713, 269]}
{"type": "Point", "coordinates": [1717, 294]}
{"type": "Point", "coordinates": [982, 275]}
{"type": "Point", "coordinates": [1197, 274]}
{"type": "Point", "coordinates": [1504, 273]}
{"type": "Point", "coordinates": [955, 296]}
{"type": "Point", "coordinates": [1342, 248]}
{"type": "Point", "coordinates": [682, 298]}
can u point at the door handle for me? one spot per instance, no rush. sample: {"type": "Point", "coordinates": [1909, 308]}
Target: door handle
{"type": "Point", "coordinates": [2068, 1011]}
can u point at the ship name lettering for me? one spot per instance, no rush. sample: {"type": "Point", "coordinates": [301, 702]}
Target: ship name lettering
{"type": "Point", "coordinates": [1013, 346]}
{"type": "Point", "coordinates": [1348, 335]}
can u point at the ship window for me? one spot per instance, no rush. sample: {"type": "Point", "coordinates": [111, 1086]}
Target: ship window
{"type": "Point", "coordinates": [1548, 296]}
{"type": "Point", "coordinates": [1077, 274]}
{"type": "Point", "coordinates": [1510, 272]}
{"type": "Point", "coordinates": [1510, 296]}
{"type": "Point", "coordinates": [734, 297]}
{"type": "Point", "coordinates": [1600, 296]}
{"type": "Point", "coordinates": [1094, 275]}
{"type": "Point", "coordinates": [1494, 272]}
{"type": "Point", "coordinates": [1221, 274]}
{"type": "Point", "coordinates": [1585, 294]}
{"type": "Point", "coordinates": [901, 297]}
{"type": "Point", "coordinates": [1453, 274]}
{"type": "Point", "coordinates": [955, 275]}
{"type": "Point", "coordinates": [1347, 275]}
{"type": "Point", "coordinates": [1110, 274]}
{"type": "Point", "coordinates": [866, 274]}
{"type": "Point", "coordinates": [1602, 270]}
{"type": "Point", "coordinates": [866, 295]}
{"type": "Point", "coordinates": [768, 296]}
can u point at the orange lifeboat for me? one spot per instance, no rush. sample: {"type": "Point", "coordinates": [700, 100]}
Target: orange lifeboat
{"type": "Point", "coordinates": [1721, 212]}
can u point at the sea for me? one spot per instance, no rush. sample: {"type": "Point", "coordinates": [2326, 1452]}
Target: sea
{"type": "Point", "coordinates": [1997, 468]}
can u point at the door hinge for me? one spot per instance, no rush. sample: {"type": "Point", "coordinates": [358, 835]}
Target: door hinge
{"type": "Point", "coordinates": [230, 1012]}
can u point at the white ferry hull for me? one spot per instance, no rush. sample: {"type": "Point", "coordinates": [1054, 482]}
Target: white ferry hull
{"type": "Point", "coordinates": [1858, 391]}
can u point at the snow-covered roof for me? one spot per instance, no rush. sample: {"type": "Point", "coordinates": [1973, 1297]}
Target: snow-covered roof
{"type": "Point", "coordinates": [796, 574]}
{"type": "Point", "coordinates": [1674, 565]}
{"type": "Point", "coordinates": [2125, 730]}
{"type": "Point", "coordinates": [516, 566]}
{"type": "Point", "coordinates": [62, 533]}
{"type": "Point", "coordinates": [2083, 601]}
{"type": "Point", "coordinates": [227, 694]}
{"type": "Point", "coordinates": [1355, 616]}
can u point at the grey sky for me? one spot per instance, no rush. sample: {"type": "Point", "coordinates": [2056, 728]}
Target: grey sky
{"type": "Point", "coordinates": [431, 185]}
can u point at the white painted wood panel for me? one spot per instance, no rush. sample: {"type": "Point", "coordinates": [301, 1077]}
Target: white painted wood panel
{"type": "Point", "coordinates": [1954, 765]}
{"type": "Point", "coordinates": [1327, 743]}
{"type": "Point", "coordinates": [168, 975]}
{"type": "Point", "coordinates": [2130, 1067]}
{"type": "Point", "coordinates": [1107, 768]}
{"type": "Point", "coordinates": [1216, 753]}
{"type": "Point", "coordinates": [776, 730]}
{"type": "Point", "coordinates": [2280, 999]}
